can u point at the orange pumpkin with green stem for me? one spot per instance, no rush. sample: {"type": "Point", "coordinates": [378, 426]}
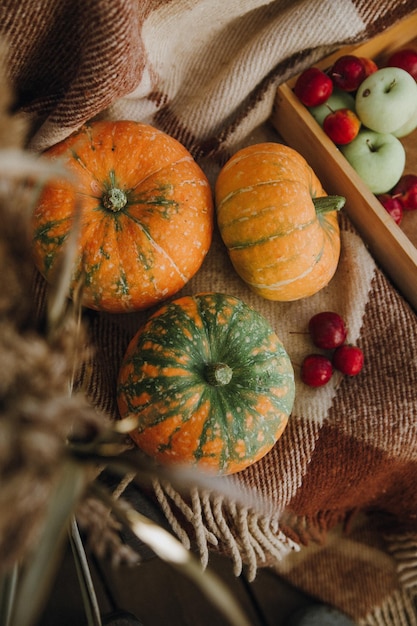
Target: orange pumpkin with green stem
{"type": "Point", "coordinates": [209, 383]}
{"type": "Point", "coordinates": [277, 222]}
{"type": "Point", "coordinates": [146, 215]}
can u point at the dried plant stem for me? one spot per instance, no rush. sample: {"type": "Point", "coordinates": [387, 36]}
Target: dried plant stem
{"type": "Point", "coordinates": [40, 569]}
{"type": "Point", "coordinates": [7, 595]}
{"type": "Point", "coordinates": [88, 593]}
{"type": "Point", "coordinates": [59, 288]}
{"type": "Point", "coordinates": [16, 164]}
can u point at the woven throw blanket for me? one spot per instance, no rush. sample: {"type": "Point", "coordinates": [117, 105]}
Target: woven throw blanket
{"type": "Point", "coordinates": [340, 483]}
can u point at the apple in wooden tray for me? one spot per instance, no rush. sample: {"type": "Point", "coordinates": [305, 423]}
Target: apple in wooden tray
{"type": "Point", "coordinates": [370, 65]}
{"type": "Point", "coordinates": [406, 59]}
{"type": "Point", "coordinates": [339, 99]}
{"type": "Point", "coordinates": [313, 87]}
{"type": "Point", "coordinates": [368, 110]}
{"type": "Point", "coordinates": [342, 126]}
{"type": "Point", "coordinates": [405, 192]}
{"type": "Point", "coordinates": [384, 99]}
{"type": "Point", "coordinates": [348, 72]}
{"type": "Point", "coordinates": [387, 99]}
{"type": "Point", "coordinates": [378, 158]}
{"type": "Point", "coordinates": [407, 128]}
{"type": "Point", "coordinates": [392, 205]}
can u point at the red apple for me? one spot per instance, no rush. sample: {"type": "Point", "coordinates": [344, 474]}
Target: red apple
{"type": "Point", "coordinates": [370, 66]}
{"type": "Point", "coordinates": [313, 87]}
{"type": "Point", "coordinates": [406, 192]}
{"type": "Point", "coordinates": [347, 72]}
{"type": "Point", "coordinates": [392, 205]}
{"type": "Point", "coordinates": [406, 59]}
{"type": "Point", "coordinates": [342, 126]}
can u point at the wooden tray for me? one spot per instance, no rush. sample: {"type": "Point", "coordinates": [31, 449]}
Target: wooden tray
{"type": "Point", "coordinates": [392, 248]}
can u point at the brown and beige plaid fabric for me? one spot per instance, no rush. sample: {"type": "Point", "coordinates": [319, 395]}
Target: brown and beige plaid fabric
{"type": "Point", "coordinates": [341, 481]}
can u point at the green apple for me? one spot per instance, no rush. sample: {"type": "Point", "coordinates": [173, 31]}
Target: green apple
{"type": "Point", "coordinates": [387, 99]}
{"type": "Point", "coordinates": [378, 158]}
{"type": "Point", "coordinates": [408, 127]}
{"type": "Point", "coordinates": [339, 99]}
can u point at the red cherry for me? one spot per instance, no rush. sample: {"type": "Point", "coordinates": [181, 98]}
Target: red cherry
{"type": "Point", "coordinates": [342, 126]}
{"type": "Point", "coordinates": [316, 370]}
{"type": "Point", "coordinates": [348, 359]}
{"type": "Point", "coordinates": [327, 329]}
{"type": "Point", "coordinates": [313, 87]}
{"type": "Point", "coordinates": [406, 191]}
{"type": "Point", "coordinates": [392, 205]}
{"type": "Point", "coordinates": [347, 72]}
{"type": "Point", "coordinates": [406, 59]}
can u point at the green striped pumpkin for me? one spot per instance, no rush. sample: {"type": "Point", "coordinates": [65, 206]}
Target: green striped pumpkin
{"type": "Point", "coordinates": [278, 224]}
{"type": "Point", "coordinates": [209, 382]}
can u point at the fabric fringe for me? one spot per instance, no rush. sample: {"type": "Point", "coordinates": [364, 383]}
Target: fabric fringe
{"type": "Point", "coordinates": [398, 610]}
{"type": "Point", "coordinates": [401, 608]}
{"type": "Point", "coordinates": [251, 540]}
{"type": "Point", "coordinates": [123, 484]}
{"type": "Point", "coordinates": [403, 548]}
{"type": "Point", "coordinates": [247, 537]}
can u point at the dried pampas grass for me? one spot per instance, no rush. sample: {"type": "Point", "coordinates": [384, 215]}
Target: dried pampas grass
{"type": "Point", "coordinates": [40, 408]}
{"type": "Point", "coordinates": [37, 416]}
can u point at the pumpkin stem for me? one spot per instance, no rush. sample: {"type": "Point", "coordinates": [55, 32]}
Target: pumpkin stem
{"type": "Point", "coordinates": [218, 374]}
{"type": "Point", "coordinates": [324, 204]}
{"type": "Point", "coordinates": [114, 199]}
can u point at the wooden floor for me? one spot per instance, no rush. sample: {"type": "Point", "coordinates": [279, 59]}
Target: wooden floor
{"type": "Point", "coordinates": [158, 595]}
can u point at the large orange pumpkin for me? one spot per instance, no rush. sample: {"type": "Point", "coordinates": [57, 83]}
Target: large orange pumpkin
{"type": "Point", "coordinates": [146, 215]}
{"type": "Point", "coordinates": [210, 383]}
{"type": "Point", "coordinates": [280, 227]}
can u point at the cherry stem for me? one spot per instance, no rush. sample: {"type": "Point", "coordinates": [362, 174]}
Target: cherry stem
{"type": "Point", "coordinates": [325, 204]}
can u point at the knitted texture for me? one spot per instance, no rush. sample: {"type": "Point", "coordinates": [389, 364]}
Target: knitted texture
{"type": "Point", "coordinates": [340, 483]}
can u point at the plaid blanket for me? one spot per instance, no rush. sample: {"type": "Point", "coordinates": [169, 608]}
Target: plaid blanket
{"type": "Point", "coordinates": [341, 480]}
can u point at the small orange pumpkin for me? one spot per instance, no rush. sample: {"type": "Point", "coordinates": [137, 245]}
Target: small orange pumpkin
{"type": "Point", "coordinates": [146, 215]}
{"type": "Point", "coordinates": [280, 227]}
